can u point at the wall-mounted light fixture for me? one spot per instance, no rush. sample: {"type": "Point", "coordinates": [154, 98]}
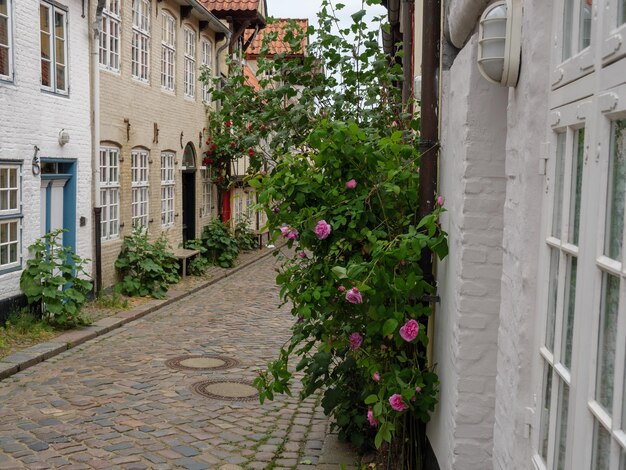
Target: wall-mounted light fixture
{"type": "Point", "coordinates": [64, 137]}
{"type": "Point", "coordinates": [499, 42]}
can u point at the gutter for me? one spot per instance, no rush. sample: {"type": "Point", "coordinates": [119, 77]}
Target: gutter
{"type": "Point", "coordinates": [95, 138]}
{"type": "Point", "coordinates": [210, 17]}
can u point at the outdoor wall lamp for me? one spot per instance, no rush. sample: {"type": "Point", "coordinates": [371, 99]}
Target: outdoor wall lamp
{"type": "Point", "coordinates": [64, 137]}
{"type": "Point", "coordinates": [499, 42]}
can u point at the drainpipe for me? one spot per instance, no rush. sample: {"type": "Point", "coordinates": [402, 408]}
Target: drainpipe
{"type": "Point", "coordinates": [222, 196]}
{"type": "Point", "coordinates": [407, 47]}
{"type": "Point", "coordinates": [95, 136]}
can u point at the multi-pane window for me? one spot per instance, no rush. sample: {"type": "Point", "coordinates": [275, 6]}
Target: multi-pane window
{"type": "Point", "coordinates": [140, 187]}
{"type": "Point", "coordinates": [6, 53]}
{"type": "Point", "coordinates": [167, 188]}
{"type": "Point", "coordinates": [140, 48]}
{"type": "Point", "coordinates": [53, 41]}
{"type": "Point", "coordinates": [110, 36]}
{"type": "Point", "coordinates": [239, 207]}
{"type": "Point", "coordinates": [207, 192]}
{"type": "Point", "coordinates": [576, 27]}
{"type": "Point", "coordinates": [207, 64]}
{"type": "Point", "coordinates": [168, 51]}
{"type": "Point", "coordinates": [190, 63]}
{"type": "Point", "coordinates": [110, 192]}
{"type": "Point", "coordinates": [10, 216]}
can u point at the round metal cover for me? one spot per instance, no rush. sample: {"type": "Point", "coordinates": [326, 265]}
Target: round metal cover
{"type": "Point", "coordinates": [201, 362]}
{"type": "Point", "coordinates": [226, 390]}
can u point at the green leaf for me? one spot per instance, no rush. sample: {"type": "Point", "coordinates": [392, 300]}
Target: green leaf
{"type": "Point", "coordinates": [389, 326]}
{"type": "Point", "coordinates": [339, 272]}
{"type": "Point", "coordinates": [371, 399]}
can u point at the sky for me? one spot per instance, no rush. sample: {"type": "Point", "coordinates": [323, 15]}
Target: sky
{"type": "Point", "coordinates": [309, 8]}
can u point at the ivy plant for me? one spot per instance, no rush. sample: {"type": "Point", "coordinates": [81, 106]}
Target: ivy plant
{"type": "Point", "coordinates": [55, 281]}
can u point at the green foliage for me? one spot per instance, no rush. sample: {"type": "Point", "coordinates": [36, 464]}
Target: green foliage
{"type": "Point", "coordinates": [55, 281]}
{"type": "Point", "coordinates": [200, 264]}
{"type": "Point", "coordinates": [246, 238]}
{"type": "Point", "coordinates": [114, 301]}
{"type": "Point", "coordinates": [25, 322]}
{"type": "Point", "coordinates": [221, 246]}
{"type": "Point", "coordinates": [146, 268]}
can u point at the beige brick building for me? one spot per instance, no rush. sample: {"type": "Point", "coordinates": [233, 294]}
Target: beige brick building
{"type": "Point", "coordinates": [152, 120]}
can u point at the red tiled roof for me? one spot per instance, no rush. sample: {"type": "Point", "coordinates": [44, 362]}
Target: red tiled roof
{"type": "Point", "coordinates": [279, 45]}
{"type": "Point", "coordinates": [251, 78]}
{"type": "Point", "coordinates": [231, 5]}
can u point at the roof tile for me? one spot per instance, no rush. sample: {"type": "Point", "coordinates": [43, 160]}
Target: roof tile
{"type": "Point", "coordinates": [279, 45]}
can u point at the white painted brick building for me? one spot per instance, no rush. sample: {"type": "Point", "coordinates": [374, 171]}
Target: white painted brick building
{"type": "Point", "coordinates": [44, 89]}
{"type": "Point", "coordinates": [530, 335]}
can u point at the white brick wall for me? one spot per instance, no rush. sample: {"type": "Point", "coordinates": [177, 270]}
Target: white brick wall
{"type": "Point", "coordinates": [466, 322]}
{"type": "Point", "coordinates": [31, 117]}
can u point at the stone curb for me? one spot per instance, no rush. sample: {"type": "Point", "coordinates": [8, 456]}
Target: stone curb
{"type": "Point", "coordinates": [35, 354]}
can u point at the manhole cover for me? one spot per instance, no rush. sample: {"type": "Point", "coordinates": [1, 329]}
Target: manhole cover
{"type": "Point", "coordinates": [226, 390]}
{"type": "Point", "coordinates": [201, 362]}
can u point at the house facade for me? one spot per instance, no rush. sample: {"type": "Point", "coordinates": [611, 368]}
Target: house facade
{"type": "Point", "coordinates": [152, 121]}
{"type": "Point", "coordinates": [530, 334]}
{"type": "Point", "coordinates": [45, 137]}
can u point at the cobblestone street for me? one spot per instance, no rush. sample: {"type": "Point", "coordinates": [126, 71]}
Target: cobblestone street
{"type": "Point", "coordinates": [114, 403]}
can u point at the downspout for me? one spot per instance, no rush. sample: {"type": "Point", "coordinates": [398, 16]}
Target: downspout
{"type": "Point", "coordinates": [221, 195]}
{"type": "Point", "coordinates": [95, 137]}
{"type": "Point", "coordinates": [407, 57]}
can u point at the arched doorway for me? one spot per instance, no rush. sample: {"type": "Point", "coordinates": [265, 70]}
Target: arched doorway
{"type": "Point", "coordinates": [189, 192]}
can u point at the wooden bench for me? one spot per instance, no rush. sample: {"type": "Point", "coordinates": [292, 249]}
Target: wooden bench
{"type": "Point", "coordinates": [183, 255]}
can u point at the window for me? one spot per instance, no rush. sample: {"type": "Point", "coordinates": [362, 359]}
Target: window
{"type": "Point", "coordinates": [110, 36]}
{"type": "Point", "coordinates": [53, 39]}
{"type": "Point", "coordinates": [207, 64]}
{"type": "Point", "coordinates": [576, 27]}
{"type": "Point", "coordinates": [207, 192]}
{"type": "Point", "coordinates": [168, 51]}
{"type": "Point", "coordinates": [249, 204]}
{"type": "Point", "coordinates": [140, 49]}
{"type": "Point", "coordinates": [10, 216]}
{"type": "Point", "coordinates": [190, 63]}
{"type": "Point", "coordinates": [140, 187]}
{"type": "Point", "coordinates": [239, 206]}
{"type": "Point", "coordinates": [110, 192]}
{"type": "Point", "coordinates": [167, 188]}
{"type": "Point", "coordinates": [6, 57]}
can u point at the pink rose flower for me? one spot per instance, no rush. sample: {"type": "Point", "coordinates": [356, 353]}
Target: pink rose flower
{"type": "Point", "coordinates": [293, 234]}
{"type": "Point", "coordinates": [302, 254]}
{"type": "Point", "coordinates": [409, 330]}
{"type": "Point", "coordinates": [351, 184]}
{"type": "Point", "coordinates": [397, 403]}
{"type": "Point", "coordinates": [284, 230]}
{"type": "Point", "coordinates": [370, 417]}
{"type": "Point", "coordinates": [376, 376]}
{"type": "Point", "coordinates": [341, 288]}
{"type": "Point", "coordinates": [418, 389]}
{"type": "Point", "coordinates": [356, 340]}
{"type": "Point", "coordinates": [354, 296]}
{"type": "Point", "coordinates": [439, 200]}
{"type": "Point", "coordinates": [322, 229]}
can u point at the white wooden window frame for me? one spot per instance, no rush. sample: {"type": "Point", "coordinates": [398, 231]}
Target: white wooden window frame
{"type": "Point", "coordinates": [207, 192]}
{"type": "Point", "coordinates": [11, 216]}
{"type": "Point", "coordinates": [140, 174]}
{"type": "Point", "coordinates": [167, 188]}
{"type": "Point", "coordinates": [54, 86]}
{"type": "Point", "coordinates": [597, 98]}
{"type": "Point", "coordinates": [110, 192]}
{"type": "Point", "coordinates": [110, 36]}
{"type": "Point", "coordinates": [168, 52]}
{"type": "Point", "coordinates": [207, 64]}
{"type": "Point", "coordinates": [614, 40]}
{"type": "Point", "coordinates": [140, 47]}
{"type": "Point", "coordinates": [9, 45]}
{"type": "Point", "coordinates": [190, 62]}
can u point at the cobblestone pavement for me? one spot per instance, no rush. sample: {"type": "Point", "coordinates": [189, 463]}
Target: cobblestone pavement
{"type": "Point", "coordinates": [113, 402]}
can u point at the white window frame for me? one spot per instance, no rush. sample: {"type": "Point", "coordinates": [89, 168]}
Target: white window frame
{"type": "Point", "coordinates": [11, 215]}
{"type": "Point", "coordinates": [168, 52]}
{"type": "Point", "coordinates": [207, 192]}
{"type": "Point", "coordinates": [140, 181]}
{"type": "Point", "coordinates": [613, 47]}
{"type": "Point", "coordinates": [110, 192]}
{"type": "Point", "coordinates": [167, 188]}
{"type": "Point", "coordinates": [110, 36]}
{"type": "Point", "coordinates": [595, 101]}
{"type": "Point", "coordinates": [9, 46]}
{"type": "Point", "coordinates": [54, 87]}
{"type": "Point", "coordinates": [239, 206]}
{"type": "Point", "coordinates": [207, 64]}
{"type": "Point", "coordinates": [190, 62]}
{"type": "Point", "coordinates": [140, 47]}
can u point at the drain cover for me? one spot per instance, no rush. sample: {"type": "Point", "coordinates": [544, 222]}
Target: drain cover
{"type": "Point", "coordinates": [226, 390]}
{"type": "Point", "coordinates": [201, 362]}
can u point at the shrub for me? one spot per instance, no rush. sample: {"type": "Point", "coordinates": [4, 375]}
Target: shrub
{"type": "Point", "coordinates": [221, 246]}
{"type": "Point", "coordinates": [200, 264]}
{"type": "Point", "coordinates": [246, 238]}
{"type": "Point", "coordinates": [146, 268]}
{"type": "Point", "coordinates": [55, 281]}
